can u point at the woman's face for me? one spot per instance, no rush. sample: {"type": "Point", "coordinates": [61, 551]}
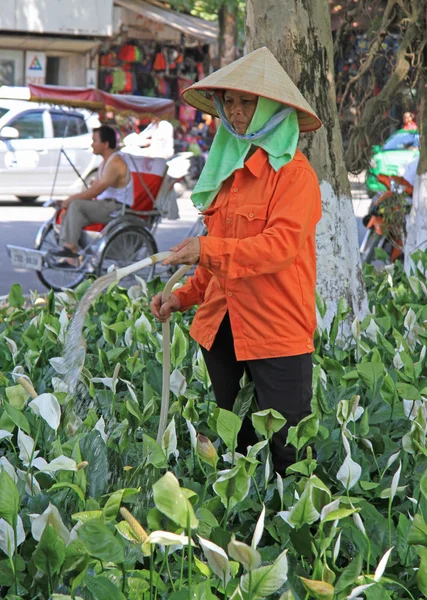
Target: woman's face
{"type": "Point", "coordinates": [239, 108]}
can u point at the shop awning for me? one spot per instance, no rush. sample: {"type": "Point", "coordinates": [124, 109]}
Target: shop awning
{"type": "Point", "coordinates": [92, 99]}
{"type": "Point", "coordinates": [206, 31]}
{"type": "Point", "coordinates": [47, 43]}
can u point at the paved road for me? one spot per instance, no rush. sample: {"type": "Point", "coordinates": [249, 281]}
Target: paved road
{"type": "Point", "coordinates": [19, 224]}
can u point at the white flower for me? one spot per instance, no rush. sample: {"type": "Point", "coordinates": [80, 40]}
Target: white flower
{"type": "Point", "coordinates": [47, 407]}
{"type": "Point", "coordinates": [51, 517]}
{"type": "Point", "coordinates": [100, 426]}
{"type": "Point", "coordinates": [178, 383]}
{"type": "Point", "coordinates": [372, 330]}
{"type": "Point", "coordinates": [7, 536]}
{"type": "Point", "coordinates": [397, 361]}
{"type": "Point", "coordinates": [349, 472]}
{"type": "Point", "coordinates": [26, 447]}
{"type": "Point", "coordinates": [61, 463]}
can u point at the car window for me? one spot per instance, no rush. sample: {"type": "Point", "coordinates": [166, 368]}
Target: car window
{"type": "Point", "coordinates": [402, 140]}
{"type": "Point", "coordinates": [65, 125]}
{"type": "Point", "coordinates": [29, 125]}
{"type": "Point", "coordinates": [3, 111]}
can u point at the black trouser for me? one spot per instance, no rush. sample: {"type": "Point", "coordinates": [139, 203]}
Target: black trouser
{"type": "Point", "coordinates": [281, 383]}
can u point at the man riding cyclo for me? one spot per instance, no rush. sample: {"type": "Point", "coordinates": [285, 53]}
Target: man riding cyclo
{"type": "Point", "coordinates": [112, 189]}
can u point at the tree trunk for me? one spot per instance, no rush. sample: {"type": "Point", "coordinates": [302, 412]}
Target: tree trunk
{"type": "Point", "coordinates": [416, 238]}
{"type": "Point", "coordinates": [227, 17]}
{"type": "Point", "coordinates": [299, 34]}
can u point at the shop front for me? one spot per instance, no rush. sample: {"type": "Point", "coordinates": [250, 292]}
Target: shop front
{"type": "Point", "coordinates": [157, 52]}
{"type": "Point", "coordinates": [27, 59]}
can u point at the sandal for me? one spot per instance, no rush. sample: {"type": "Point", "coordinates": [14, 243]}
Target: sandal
{"type": "Point", "coordinates": [65, 253]}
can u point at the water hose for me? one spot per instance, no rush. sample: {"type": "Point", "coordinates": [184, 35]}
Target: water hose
{"type": "Point", "coordinates": [75, 345]}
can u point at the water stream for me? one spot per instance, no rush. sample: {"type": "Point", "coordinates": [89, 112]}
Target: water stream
{"type": "Point", "coordinates": [75, 344]}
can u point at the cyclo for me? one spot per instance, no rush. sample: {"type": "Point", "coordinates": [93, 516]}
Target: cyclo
{"type": "Point", "coordinates": [129, 236]}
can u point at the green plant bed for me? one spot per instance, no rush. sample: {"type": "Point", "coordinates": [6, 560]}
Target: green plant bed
{"type": "Point", "coordinates": [92, 507]}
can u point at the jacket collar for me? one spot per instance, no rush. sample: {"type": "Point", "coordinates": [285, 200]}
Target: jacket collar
{"type": "Point", "coordinates": [256, 162]}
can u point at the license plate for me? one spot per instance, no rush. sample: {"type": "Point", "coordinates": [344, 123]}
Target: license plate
{"type": "Point", "coordinates": [24, 258]}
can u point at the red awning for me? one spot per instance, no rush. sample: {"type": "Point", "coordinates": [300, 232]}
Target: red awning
{"type": "Point", "coordinates": [92, 99]}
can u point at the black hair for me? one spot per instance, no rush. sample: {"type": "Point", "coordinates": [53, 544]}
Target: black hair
{"type": "Point", "coordinates": [107, 134]}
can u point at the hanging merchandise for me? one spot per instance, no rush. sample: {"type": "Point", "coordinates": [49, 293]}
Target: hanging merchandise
{"type": "Point", "coordinates": [159, 63]}
{"type": "Point", "coordinates": [122, 82]}
{"type": "Point", "coordinates": [187, 113]}
{"type": "Point", "coordinates": [108, 60]}
{"type": "Point", "coordinates": [183, 84]}
{"type": "Point", "coordinates": [163, 88]}
{"type": "Point", "coordinates": [130, 53]}
{"type": "Point", "coordinates": [119, 81]}
{"type": "Point", "coordinates": [200, 71]}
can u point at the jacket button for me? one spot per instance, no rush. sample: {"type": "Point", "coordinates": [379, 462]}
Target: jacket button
{"type": "Point", "coordinates": [309, 346]}
{"type": "Point", "coordinates": [208, 345]}
{"type": "Point", "coordinates": [251, 215]}
{"type": "Point", "coordinates": [229, 294]}
{"type": "Point", "coordinates": [235, 189]}
{"type": "Point", "coordinates": [228, 221]}
{"type": "Point", "coordinates": [211, 336]}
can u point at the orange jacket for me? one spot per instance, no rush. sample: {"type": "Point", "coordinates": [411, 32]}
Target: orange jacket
{"type": "Point", "coordinates": [258, 261]}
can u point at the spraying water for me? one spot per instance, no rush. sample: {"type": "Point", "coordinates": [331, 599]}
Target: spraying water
{"type": "Point", "coordinates": [75, 345]}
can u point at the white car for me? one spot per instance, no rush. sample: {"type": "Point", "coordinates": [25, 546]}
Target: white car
{"type": "Point", "coordinates": [43, 149]}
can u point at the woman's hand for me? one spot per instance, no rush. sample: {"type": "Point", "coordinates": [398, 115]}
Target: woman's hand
{"type": "Point", "coordinates": [162, 312]}
{"type": "Point", "coordinates": [186, 252]}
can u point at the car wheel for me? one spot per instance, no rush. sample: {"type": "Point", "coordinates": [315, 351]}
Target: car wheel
{"type": "Point", "coordinates": [27, 199]}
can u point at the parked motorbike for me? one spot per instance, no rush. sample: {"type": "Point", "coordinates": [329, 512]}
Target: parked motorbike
{"type": "Point", "coordinates": [189, 158]}
{"type": "Point", "coordinates": [386, 219]}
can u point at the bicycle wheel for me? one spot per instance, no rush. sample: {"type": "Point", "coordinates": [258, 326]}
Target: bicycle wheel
{"type": "Point", "coordinates": [367, 249]}
{"type": "Point", "coordinates": [125, 247]}
{"type": "Point", "coordinates": [56, 279]}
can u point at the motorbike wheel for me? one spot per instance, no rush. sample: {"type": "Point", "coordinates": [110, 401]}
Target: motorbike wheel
{"type": "Point", "coordinates": [126, 247]}
{"type": "Point", "coordinates": [56, 279]}
{"type": "Point", "coordinates": [367, 249]}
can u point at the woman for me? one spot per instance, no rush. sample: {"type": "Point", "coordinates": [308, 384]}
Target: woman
{"type": "Point", "coordinates": [256, 272]}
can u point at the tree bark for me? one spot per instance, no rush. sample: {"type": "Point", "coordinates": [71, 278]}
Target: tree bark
{"type": "Point", "coordinates": [416, 238]}
{"type": "Point", "coordinates": [227, 18]}
{"type": "Point", "coordinates": [299, 34]}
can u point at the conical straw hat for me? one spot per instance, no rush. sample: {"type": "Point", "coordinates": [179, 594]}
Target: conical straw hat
{"type": "Point", "coordinates": [258, 73]}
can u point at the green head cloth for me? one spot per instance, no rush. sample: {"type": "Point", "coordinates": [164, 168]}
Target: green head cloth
{"type": "Point", "coordinates": [228, 153]}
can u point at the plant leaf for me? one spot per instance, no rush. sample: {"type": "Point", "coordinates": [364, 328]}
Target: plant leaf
{"type": "Point", "coordinates": [217, 559]}
{"type": "Point", "coordinates": [259, 529]}
{"type": "Point", "coordinates": [172, 501]}
{"type": "Point", "coordinates": [9, 498]}
{"type": "Point", "coordinates": [266, 580]}
{"type": "Point", "coordinates": [49, 554]}
{"type": "Point", "coordinates": [228, 426]}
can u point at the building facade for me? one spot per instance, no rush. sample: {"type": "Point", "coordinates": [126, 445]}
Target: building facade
{"type": "Point", "coordinates": [80, 42]}
{"type": "Point", "coordinates": [53, 41]}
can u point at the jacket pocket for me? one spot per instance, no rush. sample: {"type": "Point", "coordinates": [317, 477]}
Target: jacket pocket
{"type": "Point", "coordinates": [251, 219]}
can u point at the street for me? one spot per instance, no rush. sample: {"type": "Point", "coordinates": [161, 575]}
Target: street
{"type": "Point", "coordinates": [19, 224]}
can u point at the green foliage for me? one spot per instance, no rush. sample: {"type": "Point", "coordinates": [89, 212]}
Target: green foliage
{"type": "Point", "coordinates": [97, 509]}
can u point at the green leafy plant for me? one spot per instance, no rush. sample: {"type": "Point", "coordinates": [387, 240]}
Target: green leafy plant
{"type": "Point", "coordinates": [91, 506]}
